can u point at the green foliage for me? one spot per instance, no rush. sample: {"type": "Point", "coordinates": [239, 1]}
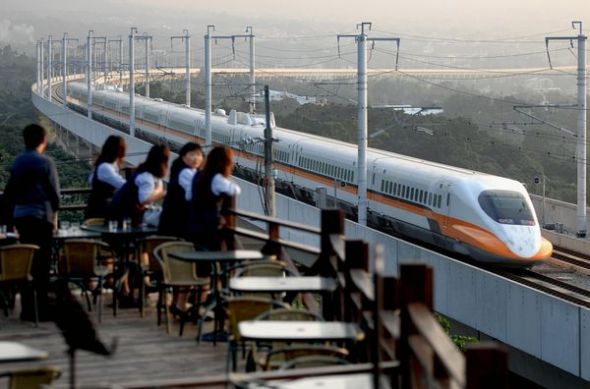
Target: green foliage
{"type": "Point", "coordinates": [17, 111]}
{"type": "Point", "coordinates": [461, 341]}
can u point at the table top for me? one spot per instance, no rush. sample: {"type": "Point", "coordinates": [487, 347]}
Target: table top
{"type": "Point", "coordinates": [352, 381]}
{"type": "Point", "coordinates": [282, 284]}
{"type": "Point", "coordinates": [75, 233]}
{"type": "Point", "coordinates": [9, 236]}
{"type": "Point", "coordinates": [18, 352]}
{"type": "Point", "coordinates": [217, 256]}
{"type": "Point", "coordinates": [106, 230]}
{"type": "Point", "coordinates": [304, 331]}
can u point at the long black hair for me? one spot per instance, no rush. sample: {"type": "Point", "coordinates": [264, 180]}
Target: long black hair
{"type": "Point", "coordinates": [156, 162]}
{"type": "Point", "coordinates": [113, 148]}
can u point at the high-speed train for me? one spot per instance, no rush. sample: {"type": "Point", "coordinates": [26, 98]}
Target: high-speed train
{"type": "Point", "coordinates": [488, 218]}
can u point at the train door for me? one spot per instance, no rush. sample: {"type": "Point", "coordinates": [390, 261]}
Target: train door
{"type": "Point", "coordinates": [444, 204]}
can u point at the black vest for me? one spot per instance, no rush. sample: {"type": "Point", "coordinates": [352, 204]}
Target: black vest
{"type": "Point", "coordinates": [100, 195]}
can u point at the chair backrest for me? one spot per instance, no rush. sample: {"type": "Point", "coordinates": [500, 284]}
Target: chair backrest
{"type": "Point", "coordinates": [147, 246]}
{"type": "Point", "coordinates": [95, 221]}
{"type": "Point", "coordinates": [313, 361]}
{"type": "Point", "coordinates": [267, 269]}
{"type": "Point", "coordinates": [248, 308]}
{"type": "Point", "coordinates": [33, 378]}
{"type": "Point", "coordinates": [277, 357]}
{"type": "Point", "coordinates": [16, 261]}
{"type": "Point", "coordinates": [289, 314]}
{"type": "Point", "coordinates": [175, 269]}
{"type": "Point", "coordinates": [81, 257]}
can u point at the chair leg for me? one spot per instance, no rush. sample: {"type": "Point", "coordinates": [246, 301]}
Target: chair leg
{"type": "Point", "coordinates": [4, 303]}
{"type": "Point", "coordinates": [35, 306]}
{"type": "Point", "coordinates": [159, 307]}
{"type": "Point", "coordinates": [167, 311]}
{"type": "Point", "coordinates": [99, 299]}
{"type": "Point", "coordinates": [141, 287]}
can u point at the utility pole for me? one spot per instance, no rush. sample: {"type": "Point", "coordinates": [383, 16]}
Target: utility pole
{"type": "Point", "coordinates": [186, 38]}
{"type": "Point", "coordinates": [89, 73]}
{"type": "Point", "coordinates": [148, 45]}
{"type": "Point", "coordinates": [252, 71]}
{"type": "Point", "coordinates": [90, 41]}
{"type": "Point", "coordinates": [49, 65]}
{"type": "Point", "coordinates": [362, 119]}
{"type": "Point", "coordinates": [250, 37]}
{"type": "Point", "coordinates": [120, 51]}
{"type": "Point", "coordinates": [208, 86]}
{"type": "Point", "coordinates": [208, 81]}
{"type": "Point", "coordinates": [269, 180]}
{"type": "Point", "coordinates": [64, 72]}
{"type": "Point", "coordinates": [42, 67]}
{"type": "Point", "coordinates": [581, 224]}
{"type": "Point", "coordinates": [132, 81]}
{"type": "Point", "coordinates": [38, 54]}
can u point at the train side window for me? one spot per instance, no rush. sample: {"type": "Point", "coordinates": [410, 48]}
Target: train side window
{"type": "Point", "coordinates": [429, 198]}
{"type": "Point", "coordinates": [448, 199]}
{"type": "Point", "coordinates": [421, 196]}
{"type": "Point", "coordinates": [411, 193]}
{"type": "Point", "coordinates": [382, 186]}
{"type": "Point", "coordinates": [439, 202]}
{"type": "Point", "coordinates": [407, 192]}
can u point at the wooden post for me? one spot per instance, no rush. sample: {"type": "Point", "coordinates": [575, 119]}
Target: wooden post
{"type": "Point", "coordinates": [356, 257]}
{"type": "Point", "coordinates": [332, 223]}
{"type": "Point", "coordinates": [487, 366]}
{"type": "Point", "coordinates": [272, 245]}
{"type": "Point", "coordinates": [415, 286]}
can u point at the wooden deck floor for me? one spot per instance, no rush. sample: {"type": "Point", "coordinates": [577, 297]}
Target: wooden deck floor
{"type": "Point", "coordinates": [145, 352]}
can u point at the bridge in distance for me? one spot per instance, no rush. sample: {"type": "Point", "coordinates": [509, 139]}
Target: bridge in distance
{"type": "Point", "coordinates": [326, 73]}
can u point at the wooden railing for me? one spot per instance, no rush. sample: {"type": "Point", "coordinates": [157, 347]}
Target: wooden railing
{"type": "Point", "coordinates": [395, 314]}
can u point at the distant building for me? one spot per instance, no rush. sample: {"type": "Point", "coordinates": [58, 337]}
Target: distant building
{"type": "Point", "coordinates": [275, 95]}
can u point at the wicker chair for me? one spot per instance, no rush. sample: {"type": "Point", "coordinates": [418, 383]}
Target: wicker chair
{"type": "Point", "coordinates": [151, 271]}
{"type": "Point", "coordinates": [83, 261]}
{"type": "Point", "coordinates": [179, 274]}
{"type": "Point", "coordinates": [33, 378]}
{"type": "Point", "coordinates": [16, 261]}
{"type": "Point", "coordinates": [241, 309]}
{"type": "Point", "coordinates": [268, 356]}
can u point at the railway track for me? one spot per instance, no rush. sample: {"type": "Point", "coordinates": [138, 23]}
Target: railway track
{"type": "Point", "coordinates": [571, 257]}
{"type": "Point", "coordinates": [548, 285]}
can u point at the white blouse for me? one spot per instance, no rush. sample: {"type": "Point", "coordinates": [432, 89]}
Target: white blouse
{"type": "Point", "coordinates": [108, 173]}
{"type": "Point", "coordinates": [222, 185]}
{"type": "Point", "coordinates": [146, 184]}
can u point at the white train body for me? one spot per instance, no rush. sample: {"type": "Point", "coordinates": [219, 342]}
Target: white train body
{"type": "Point", "coordinates": [487, 217]}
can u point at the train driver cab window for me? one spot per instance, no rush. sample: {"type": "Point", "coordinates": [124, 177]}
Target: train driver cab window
{"type": "Point", "coordinates": [506, 207]}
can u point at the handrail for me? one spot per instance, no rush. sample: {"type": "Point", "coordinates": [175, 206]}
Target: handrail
{"type": "Point", "coordinates": [443, 351]}
{"type": "Point", "coordinates": [274, 220]}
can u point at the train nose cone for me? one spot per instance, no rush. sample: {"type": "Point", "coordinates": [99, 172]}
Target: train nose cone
{"type": "Point", "coordinates": [523, 241]}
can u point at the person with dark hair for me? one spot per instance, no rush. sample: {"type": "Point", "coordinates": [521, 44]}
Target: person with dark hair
{"type": "Point", "coordinates": [105, 179]}
{"type": "Point", "coordinates": [145, 187]}
{"type": "Point", "coordinates": [32, 191]}
{"type": "Point", "coordinates": [130, 201]}
{"type": "Point", "coordinates": [208, 189]}
{"type": "Point", "coordinates": [179, 192]}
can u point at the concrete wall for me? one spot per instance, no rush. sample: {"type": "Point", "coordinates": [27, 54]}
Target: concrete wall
{"type": "Point", "coordinates": [557, 211]}
{"type": "Point", "coordinates": [93, 132]}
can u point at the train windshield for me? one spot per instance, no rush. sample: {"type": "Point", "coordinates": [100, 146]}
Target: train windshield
{"type": "Point", "coordinates": [506, 207]}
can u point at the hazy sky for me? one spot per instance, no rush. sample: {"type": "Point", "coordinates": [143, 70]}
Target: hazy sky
{"type": "Point", "coordinates": [26, 20]}
{"type": "Point", "coordinates": [518, 15]}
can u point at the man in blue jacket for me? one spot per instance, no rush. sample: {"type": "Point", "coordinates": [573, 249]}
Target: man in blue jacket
{"type": "Point", "coordinates": [33, 191]}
